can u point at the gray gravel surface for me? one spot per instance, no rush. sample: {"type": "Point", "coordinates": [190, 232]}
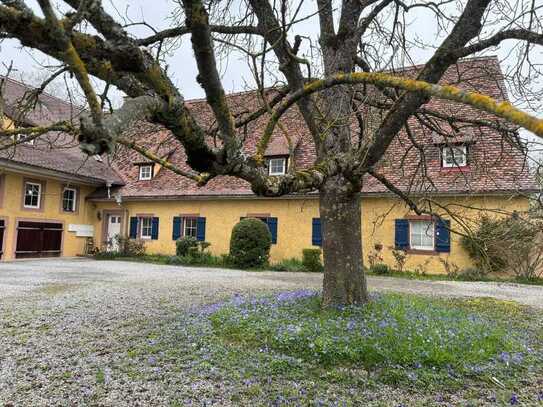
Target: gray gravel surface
{"type": "Point", "coordinates": [65, 325]}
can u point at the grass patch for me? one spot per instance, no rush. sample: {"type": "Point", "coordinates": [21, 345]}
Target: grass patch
{"type": "Point", "coordinates": [397, 339]}
{"type": "Point", "coordinates": [248, 350]}
{"type": "Point", "coordinates": [413, 275]}
{"type": "Point", "coordinates": [292, 265]}
{"type": "Point", "coordinates": [204, 259]}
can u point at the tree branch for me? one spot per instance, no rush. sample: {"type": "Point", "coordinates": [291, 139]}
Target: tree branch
{"type": "Point", "coordinates": [179, 31]}
{"type": "Point", "coordinates": [197, 21]}
{"type": "Point", "coordinates": [503, 109]}
{"type": "Point", "coordinates": [515, 34]}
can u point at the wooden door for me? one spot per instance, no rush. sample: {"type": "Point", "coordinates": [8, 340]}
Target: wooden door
{"type": "Point", "coordinates": [38, 239]}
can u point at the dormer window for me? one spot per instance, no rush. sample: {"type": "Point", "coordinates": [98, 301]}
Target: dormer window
{"type": "Point", "coordinates": [454, 156]}
{"type": "Point", "coordinates": [146, 172]}
{"type": "Point", "coordinates": [18, 138]}
{"type": "Point", "coordinates": [277, 166]}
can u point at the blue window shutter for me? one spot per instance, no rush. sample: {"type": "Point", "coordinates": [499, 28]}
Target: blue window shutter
{"type": "Point", "coordinates": [133, 227]}
{"type": "Point", "coordinates": [316, 232]}
{"type": "Point", "coordinates": [201, 229]}
{"type": "Point", "coordinates": [154, 229]}
{"type": "Point", "coordinates": [272, 226]}
{"type": "Point", "coordinates": [401, 238]}
{"type": "Point", "coordinates": [176, 234]}
{"type": "Point", "coordinates": [443, 236]}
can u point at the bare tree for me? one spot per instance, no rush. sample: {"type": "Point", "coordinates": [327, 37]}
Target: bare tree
{"type": "Point", "coordinates": [357, 40]}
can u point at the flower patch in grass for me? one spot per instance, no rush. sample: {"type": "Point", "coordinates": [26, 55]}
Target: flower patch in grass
{"type": "Point", "coordinates": [396, 338]}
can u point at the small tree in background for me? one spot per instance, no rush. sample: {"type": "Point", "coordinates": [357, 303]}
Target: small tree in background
{"type": "Point", "coordinates": [509, 244]}
{"type": "Point", "coordinates": [250, 243]}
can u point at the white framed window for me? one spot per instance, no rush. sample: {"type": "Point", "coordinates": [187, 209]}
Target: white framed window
{"type": "Point", "coordinates": [69, 197]}
{"type": "Point", "coordinates": [146, 172]}
{"type": "Point", "coordinates": [421, 235]}
{"type": "Point", "coordinates": [190, 227]}
{"type": "Point", "coordinates": [277, 166]}
{"type": "Point", "coordinates": [146, 228]}
{"type": "Point", "coordinates": [454, 156]}
{"type": "Point", "coordinates": [32, 195]}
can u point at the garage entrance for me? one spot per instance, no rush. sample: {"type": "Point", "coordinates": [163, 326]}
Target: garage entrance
{"type": "Point", "coordinates": [38, 239]}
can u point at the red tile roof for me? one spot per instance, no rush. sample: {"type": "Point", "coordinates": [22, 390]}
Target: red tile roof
{"type": "Point", "coordinates": [54, 151]}
{"type": "Point", "coordinates": [495, 166]}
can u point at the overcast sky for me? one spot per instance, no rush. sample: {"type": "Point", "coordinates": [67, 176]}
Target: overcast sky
{"type": "Point", "coordinates": [181, 64]}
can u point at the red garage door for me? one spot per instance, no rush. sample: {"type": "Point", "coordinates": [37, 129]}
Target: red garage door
{"type": "Point", "coordinates": [38, 239]}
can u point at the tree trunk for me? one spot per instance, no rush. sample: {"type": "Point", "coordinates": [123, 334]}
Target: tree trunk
{"type": "Point", "coordinates": [344, 280]}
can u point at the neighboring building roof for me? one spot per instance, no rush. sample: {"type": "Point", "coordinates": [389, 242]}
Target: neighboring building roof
{"type": "Point", "coordinates": [48, 109]}
{"type": "Point", "coordinates": [496, 167]}
{"type": "Point", "coordinates": [54, 151]}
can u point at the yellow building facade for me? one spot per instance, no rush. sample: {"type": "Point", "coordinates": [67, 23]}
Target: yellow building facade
{"type": "Point", "coordinates": [16, 217]}
{"type": "Point", "coordinates": [294, 224]}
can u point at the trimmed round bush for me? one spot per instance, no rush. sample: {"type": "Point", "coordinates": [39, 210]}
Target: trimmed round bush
{"type": "Point", "coordinates": [250, 243]}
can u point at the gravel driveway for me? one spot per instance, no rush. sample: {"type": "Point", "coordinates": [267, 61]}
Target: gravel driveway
{"type": "Point", "coordinates": [65, 323]}
{"type": "Point", "coordinates": [27, 279]}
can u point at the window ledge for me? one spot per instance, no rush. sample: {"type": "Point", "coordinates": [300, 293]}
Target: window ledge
{"type": "Point", "coordinates": [423, 252]}
{"type": "Point", "coordinates": [465, 168]}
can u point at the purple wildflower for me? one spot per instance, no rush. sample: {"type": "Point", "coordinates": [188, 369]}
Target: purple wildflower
{"type": "Point", "coordinates": [151, 360]}
{"type": "Point", "coordinates": [288, 296]}
{"type": "Point", "coordinates": [504, 357]}
{"type": "Point", "coordinates": [514, 399]}
{"type": "Point", "coordinates": [540, 396]}
{"type": "Point", "coordinates": [517, 358]}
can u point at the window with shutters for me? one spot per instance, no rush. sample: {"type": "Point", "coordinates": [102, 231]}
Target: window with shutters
{"type": "Point", "coordinates": [190, 227]}
{"type": "Point", "coordinates": [421, 235]}
{"type": "Point", "coordinates": [146, 231]}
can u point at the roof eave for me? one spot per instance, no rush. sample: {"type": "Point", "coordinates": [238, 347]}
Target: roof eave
{"type": "Point", "coordinates": [39, 171]}
{"type": "Point", "coordinates": [508, 193]}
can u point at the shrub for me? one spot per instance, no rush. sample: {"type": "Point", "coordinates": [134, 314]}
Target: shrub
{"type": "Point", "coordinates": [380, 269]}
{"type": "Point", "coordinates": [293, 265]}
{"type": "Point", "coordinates": [106, 255]}
{"type": "Point", "coordinates": [471, 274]}
{"type": "Point", "coordinates": [400, 258]}
{"type": "Point", "coordinates": [250, 243]}
{"type": "Point", "coordinates": [500, 244]}
{"type": "Point", "coordinates": [183, 245]}
{"type": "Point", "coordinates": [375, 256]}
{"type": "Point", "coordinates": [130, 247]}
{"type": "Point", "coordinates": [451, 269]}
{"type": "Point", "coordinates": [311, 260]}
